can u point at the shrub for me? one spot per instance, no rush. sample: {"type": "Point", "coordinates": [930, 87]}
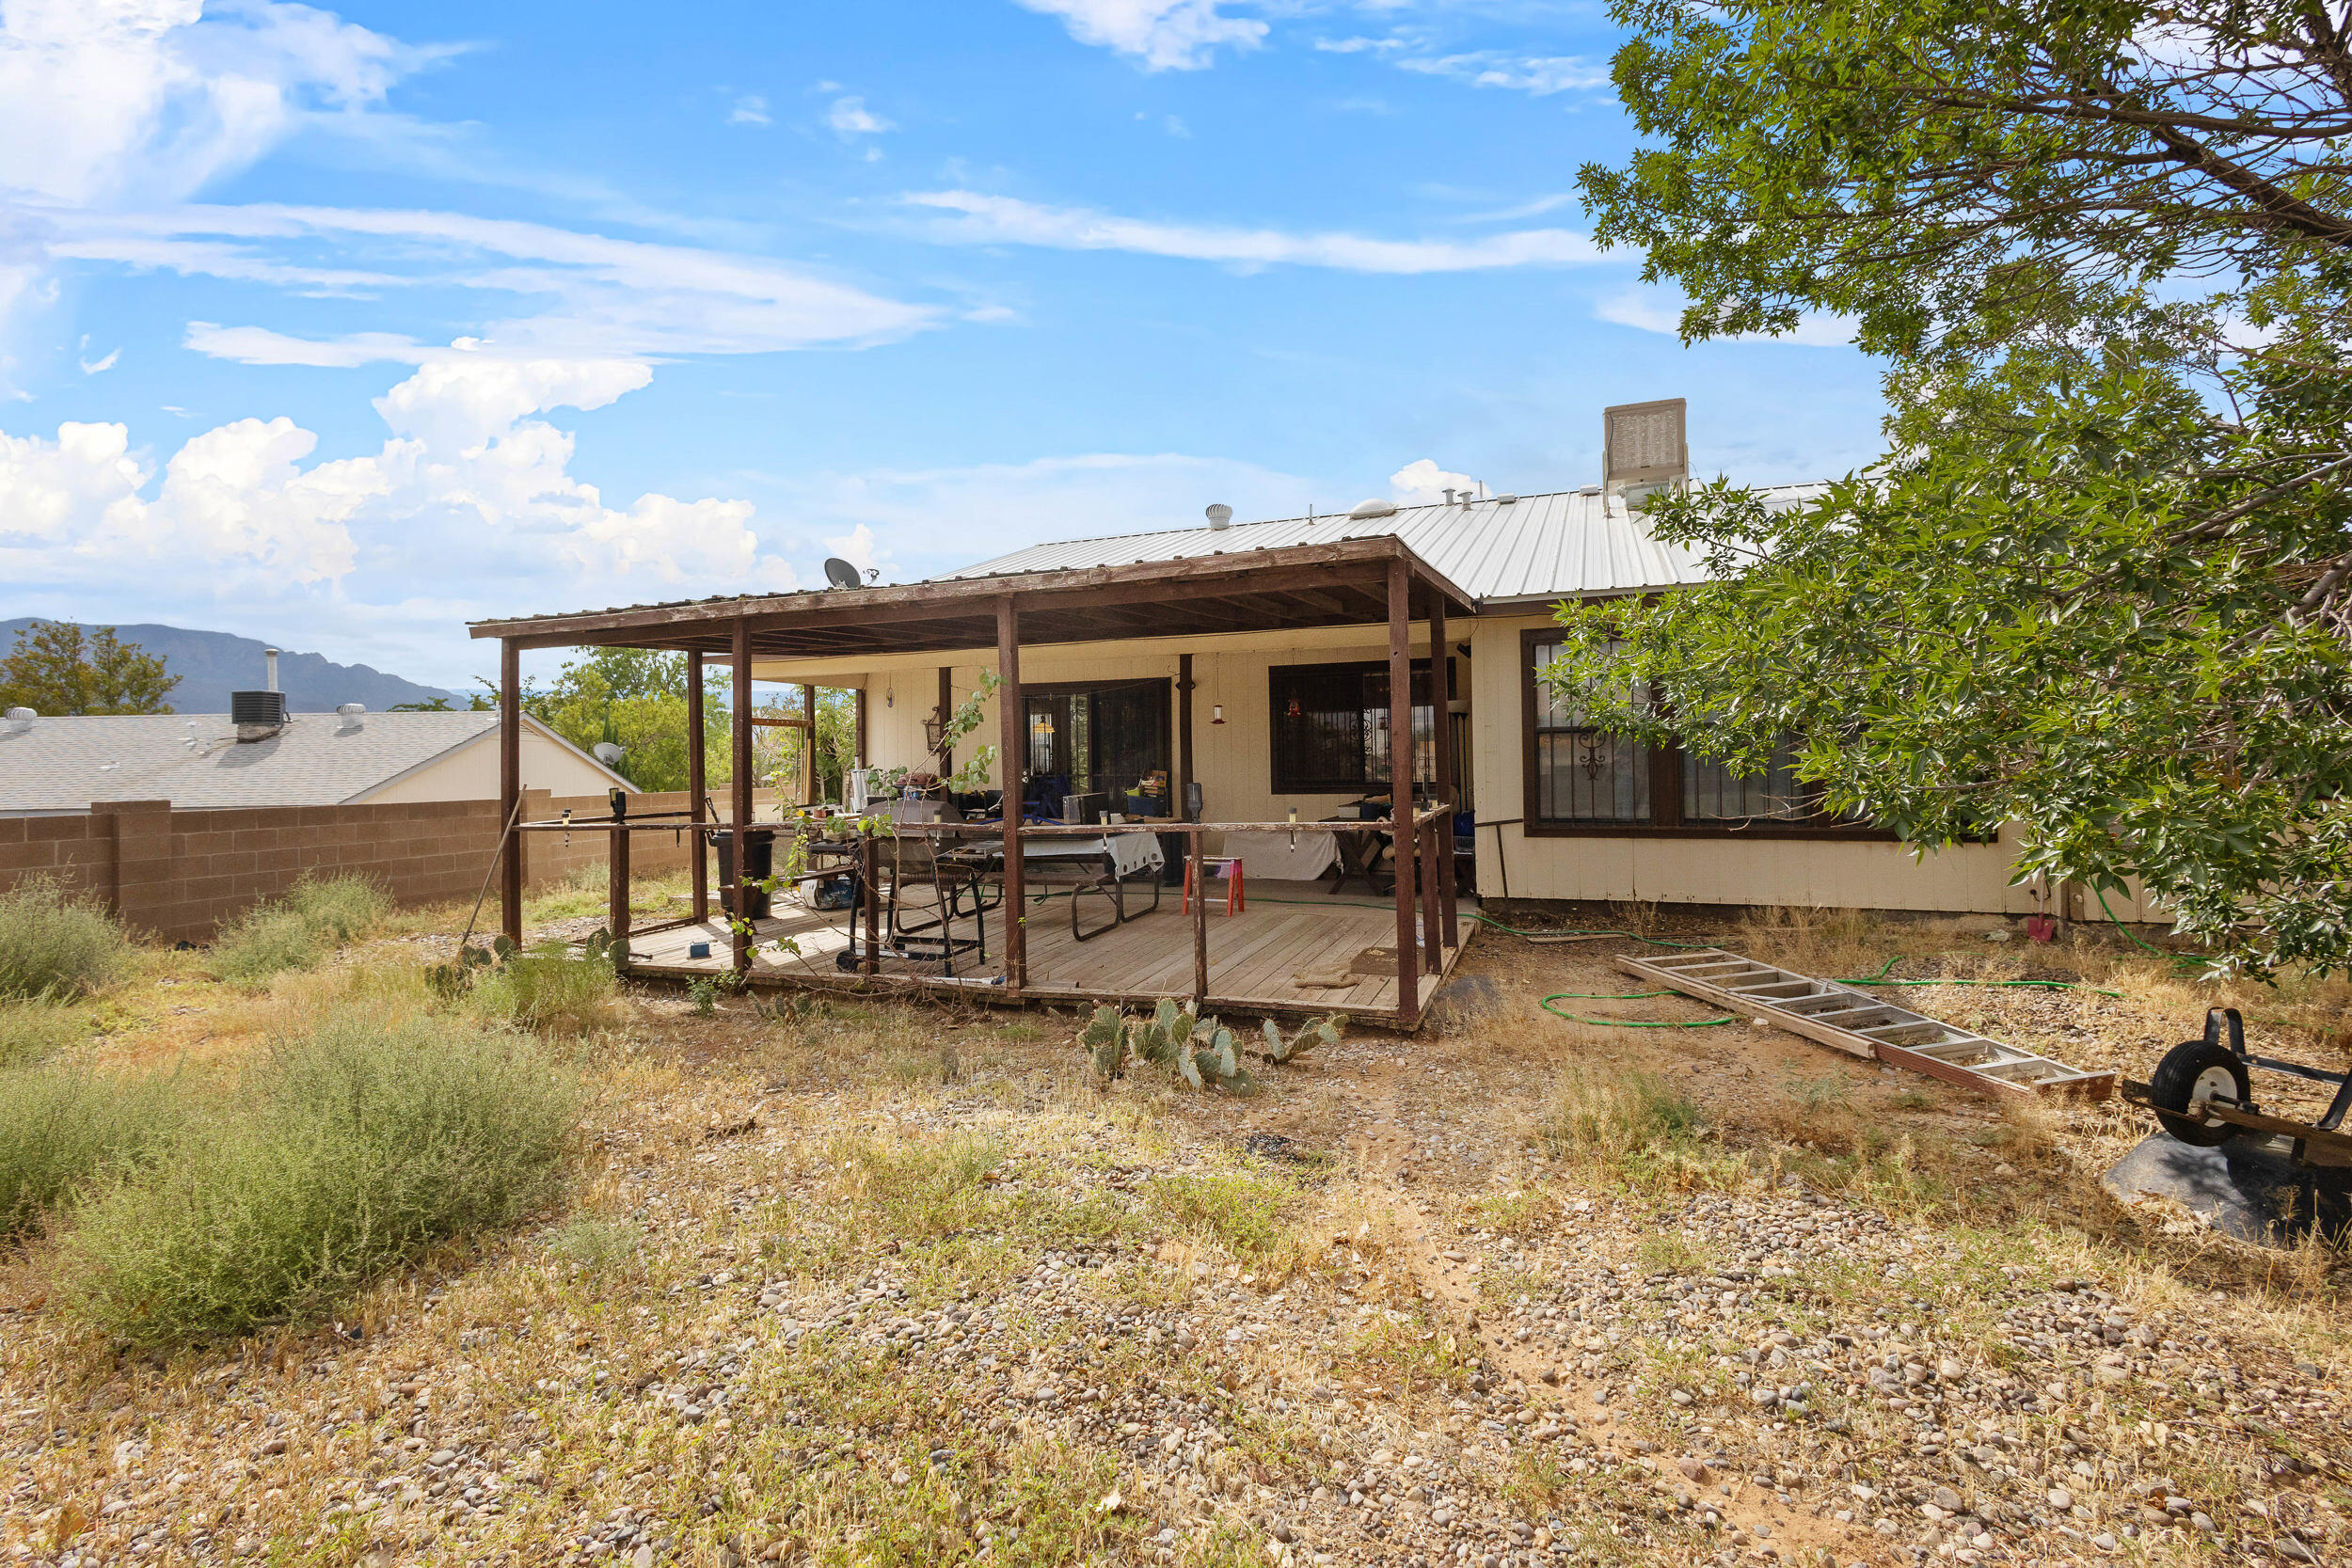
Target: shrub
{"type": "Point", "coordinates": [62, 1128]}
{"type": "Point", "coordinates": [347, 1152]}
{"type": "Point", "coordinates": [592, 1245]}
{"type": "Point", "coordinates": [266, 942]}
{"type": "Point", "coordinates": [35, 1031]}
{"type": "Point", "coordinates": [549, 987]}
{"type": "Point", "coordinates": [317, 915]}
{"type": "Point", "coordinates": [339, 908]}
{"type": "Point", "coordinates": [52, 945]}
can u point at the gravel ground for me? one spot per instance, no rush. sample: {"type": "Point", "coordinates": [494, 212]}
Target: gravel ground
{"type": "Point", "coordinates": [893, 1285]}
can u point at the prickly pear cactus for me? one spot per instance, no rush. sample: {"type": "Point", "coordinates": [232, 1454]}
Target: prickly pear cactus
{"type": "Point", "coordinates": [1322, 1031]}
{"type": "Point", "coordinates": [1171, 1037]}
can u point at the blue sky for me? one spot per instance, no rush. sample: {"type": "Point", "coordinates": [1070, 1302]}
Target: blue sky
{"type": "Point", "coordinates": [337, 329]}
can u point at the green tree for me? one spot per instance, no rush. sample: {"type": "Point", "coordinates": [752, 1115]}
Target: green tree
{"type": "Point", "coordinates": [60, 668]}
{"type": "Point", "coordinates": [2099, 587]}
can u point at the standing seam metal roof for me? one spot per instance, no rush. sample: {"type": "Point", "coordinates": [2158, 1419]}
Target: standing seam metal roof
{"type": "Point", "coordinates": [1565, 544]}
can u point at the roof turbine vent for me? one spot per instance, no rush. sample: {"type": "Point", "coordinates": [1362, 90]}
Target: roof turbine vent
{"type": "Point", "coordinates": [21, 720]}
{"type": "Point", "coordinates": [347, 717]}
{"type": "Point", "coordinates": [1220, 517]}
{"type": "Point", "coordinates": [1374, 508]}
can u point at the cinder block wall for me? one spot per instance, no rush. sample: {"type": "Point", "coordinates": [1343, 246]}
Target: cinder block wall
{"type": "Point", "coordinates": [180, 875]}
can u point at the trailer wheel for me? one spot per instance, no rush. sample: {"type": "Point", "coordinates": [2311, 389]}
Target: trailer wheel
{"type": "Point", "coordinates": [2192, 1072]}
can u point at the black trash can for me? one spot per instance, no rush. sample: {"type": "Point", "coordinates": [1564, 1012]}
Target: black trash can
{"type": "Point", "coordinates": [760, 858]}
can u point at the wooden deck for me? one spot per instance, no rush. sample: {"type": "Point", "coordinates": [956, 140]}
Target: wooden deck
{"type": "Point", "coordinates": [1256, 957]}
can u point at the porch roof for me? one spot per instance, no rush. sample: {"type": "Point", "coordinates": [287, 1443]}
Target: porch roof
{"type": "Point", "coordinates": [1342, 582]}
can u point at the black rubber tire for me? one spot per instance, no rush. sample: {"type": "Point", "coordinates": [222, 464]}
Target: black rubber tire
{"type": "Point", "coordinates": [2175, 1085]}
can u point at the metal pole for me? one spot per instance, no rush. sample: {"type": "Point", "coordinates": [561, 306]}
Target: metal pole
{"type": "Point", "coordinates": [697, 781]}
{"type": "Point", "coordinates": [1010, 766]}
{"type": "Point", "coordinates": [510, 788]}
{"type": "Point", "coordinates": [1400, 782]}
{"type": "Point", "coordinates": [740, 794]}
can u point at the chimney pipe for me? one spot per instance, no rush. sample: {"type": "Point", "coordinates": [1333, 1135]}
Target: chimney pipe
{"type": "Point", "coordinates": [269, 657]}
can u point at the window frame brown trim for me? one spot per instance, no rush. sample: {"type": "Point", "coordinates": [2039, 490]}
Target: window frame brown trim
{"type": "Point", "coordinates": [1666, 795]}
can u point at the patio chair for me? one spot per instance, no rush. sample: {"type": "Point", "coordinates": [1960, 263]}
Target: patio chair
{"type": "Point", "coordinates": [925, 894]}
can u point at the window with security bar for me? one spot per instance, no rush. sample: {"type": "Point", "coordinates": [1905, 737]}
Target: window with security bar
{"type": "Point", "coordinates": [1584, 773]}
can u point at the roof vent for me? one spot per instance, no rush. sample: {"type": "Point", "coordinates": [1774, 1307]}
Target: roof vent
{"type": "Point", "coordinates": [1220, 517]}
{"type": "Point", "coordinates": [1506, 498]}
{"type": "Point", "coordinates": [258, 715]}
{"type": "Point", "coordinates": [347, 717]}
{"type": "Point", "coordinates": [1374, 508]}
{"type": "Point", "coordinates": [21, 720]}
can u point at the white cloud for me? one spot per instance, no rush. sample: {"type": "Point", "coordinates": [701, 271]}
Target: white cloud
{"type": "Point", "coordinates": [100, 365]}
{"type": "Point", "coordinates": [1162, 35]}
{"type": "Point", "coordinates": [110, 99]}
{"type": "Point", "coordinates": [595, 296]}
{"type": "Point", "coordinates": [1423, 484]}
{"type": "Point", "coordinates": [982, 219]}
{"type": "Point", "coordinates": [470, 487]}
{"type": "Point", "coordinates": [750, 109]}
{"type": "Point", "coordinates": [849, 118]}
{"type": "Point", "coordinates": [1659, 310]}
{"type": "Point", "coordinates": [1540, 75]}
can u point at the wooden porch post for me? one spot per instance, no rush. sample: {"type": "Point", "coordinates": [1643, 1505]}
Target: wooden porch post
{"type": "Point", "coordinates": [808, 745]}
{"type": "Point", "coordinates": [946, 711]}
{"type": "Point", "coordinates": [510, 789]}
{"type": "Point", "coordinates": [1404, 843]}
{"type": "Point", "coordinates": [1196, 881]}
{"type": "Point", "coordinates": [616, 900]}
{"type": "Point", "coordinates": [740, 793]}
{"type": "Point", "coordinates": [857, 745]}
{"type": "Point", "coordinates": [1176, 809]}
{"type": "Point", "coordinates": [697, 781]}
{"type": "Point", "coordinates": [1442, 714]}
{"type": "Point", "coordinates": [1014, 745]}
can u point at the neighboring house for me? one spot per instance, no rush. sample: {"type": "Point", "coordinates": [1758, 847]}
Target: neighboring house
{"type": "Point", "coordinates": [195, 761]}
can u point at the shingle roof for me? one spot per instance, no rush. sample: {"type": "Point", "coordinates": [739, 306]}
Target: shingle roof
{"type": "Point", "coordinates": [1569, 543]}
{"type": "Point", "coordinates": [66, 763]}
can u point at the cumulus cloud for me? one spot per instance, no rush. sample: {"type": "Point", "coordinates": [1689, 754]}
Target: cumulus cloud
{"type": "Point", "coordinates": [1423, 484]}
{"type": "Point", "coordinates": [982, 219]}
{"type": "Point", "coordinates": [1160, 34]}
{"type": "Point", "coordinates": [470, 486]}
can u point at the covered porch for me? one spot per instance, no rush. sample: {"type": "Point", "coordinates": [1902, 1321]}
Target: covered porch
{"type": "Point", "coordinates": [1293, 948]}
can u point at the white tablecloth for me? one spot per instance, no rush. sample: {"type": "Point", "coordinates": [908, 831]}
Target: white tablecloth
{"type": "Point", "coordinates": [1272, 857]}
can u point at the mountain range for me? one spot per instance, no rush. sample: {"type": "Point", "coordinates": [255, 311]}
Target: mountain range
{"type": "Point", "coordinates": [212, 664]}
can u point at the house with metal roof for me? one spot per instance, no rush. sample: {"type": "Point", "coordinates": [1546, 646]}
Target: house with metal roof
{"type": "Point", "coordinates": [51, 765]}
{"type": "Point", "coordinates": [1252, 694]}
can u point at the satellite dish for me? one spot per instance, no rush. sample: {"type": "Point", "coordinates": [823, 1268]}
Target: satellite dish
{"type": "Point", "coordinates": [607, 754]}
{"type": "Point", "coordinates": [841, 574]}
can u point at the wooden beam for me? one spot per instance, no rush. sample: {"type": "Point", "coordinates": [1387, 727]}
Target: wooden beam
{"type": "Point", "coordinates": [1304, 565]}
{"type": "Point", "coordinates": [510, 789]}
{"type": "Point", "coordinates": [1196, 881]}
{"type": "Point", "coordinates": [857, 743]}
{"type": "Point", "coordinates": [1013, 752]}
{"type": "Point", "coordinates": [739, 792]}
{"type": "Point", "coordinates": [1440, 696]}
{"type": "Point", "coordinates": [698, 779]}
{"type": "Point", "coordinates": [1176, 807]}
{"type": "Point", "coordinates": [1401, 781]}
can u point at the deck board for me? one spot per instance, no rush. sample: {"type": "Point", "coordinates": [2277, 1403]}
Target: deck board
{"type": "Point", "coordinates": [1253, 955]}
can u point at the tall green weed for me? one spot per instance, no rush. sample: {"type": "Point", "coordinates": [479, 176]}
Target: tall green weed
{"type": "Point", "coordinates": [62, 1130]}
{"type": "Point", "coordinates": [55, 945]}
{"type": "Point", "coordinates": [346, 1151]}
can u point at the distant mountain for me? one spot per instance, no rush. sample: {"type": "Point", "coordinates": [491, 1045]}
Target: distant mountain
{"type": "Point", "coordinates": [212, 664]}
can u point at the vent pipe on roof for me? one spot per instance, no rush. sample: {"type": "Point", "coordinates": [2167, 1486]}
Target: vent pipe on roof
{"type": "Point", "coordinates": [269, 662]}
{"type": "Point", "coordinates": [21, 720]}
{"type": "Point", "coordinates": [1220, 517]}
